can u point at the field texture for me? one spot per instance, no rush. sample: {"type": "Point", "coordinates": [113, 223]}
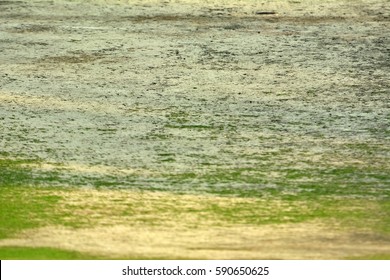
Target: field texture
{"type": "Point", "coordinates": [193, 129]}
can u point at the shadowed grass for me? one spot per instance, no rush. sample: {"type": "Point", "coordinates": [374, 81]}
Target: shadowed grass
{"type": "Point", "coordinates": [13, 173]}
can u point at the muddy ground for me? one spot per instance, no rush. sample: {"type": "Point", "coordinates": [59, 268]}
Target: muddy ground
{"type": "Point", "coordinates": [241, 98]}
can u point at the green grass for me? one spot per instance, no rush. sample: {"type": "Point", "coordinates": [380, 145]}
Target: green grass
{"type": "Point", "coordinates": [25, 202]}
{"type": "Point", "coordinates": [17, 172]}
{"type": "Point", "coordinates": [370, 257]}
{"type": "Point", "coordinates": [39, 253]}
{"type": "Point", "coordinates": [22, 208]}
{"type": "Point", "coordinates": [13, 173]}
{"type": "Point", "coordinates": [28, 207]}
{"type": "Point", "coordinates": [349, 197]}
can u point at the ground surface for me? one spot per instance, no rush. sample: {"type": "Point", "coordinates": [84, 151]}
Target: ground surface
{"type": "Point", "coordinates": [186, 129]}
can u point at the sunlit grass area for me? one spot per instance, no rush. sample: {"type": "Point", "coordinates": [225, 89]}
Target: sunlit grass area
{"type": "Point", "coordinates": [46, 216]}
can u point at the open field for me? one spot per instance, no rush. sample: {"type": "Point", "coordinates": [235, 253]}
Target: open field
{"type": "Point", "coordinates": [195, 129]}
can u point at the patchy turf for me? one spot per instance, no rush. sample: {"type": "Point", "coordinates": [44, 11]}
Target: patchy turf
{"type": "Point", "coordinates": [164, 225]}
{"type": "Point", "coordinates": [194, 130]}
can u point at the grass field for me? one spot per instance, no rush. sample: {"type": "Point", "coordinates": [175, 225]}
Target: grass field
{"type": "Point", "coordinates": [71, 222]}
{"type": "Point", "coordinates": [194, 130]}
